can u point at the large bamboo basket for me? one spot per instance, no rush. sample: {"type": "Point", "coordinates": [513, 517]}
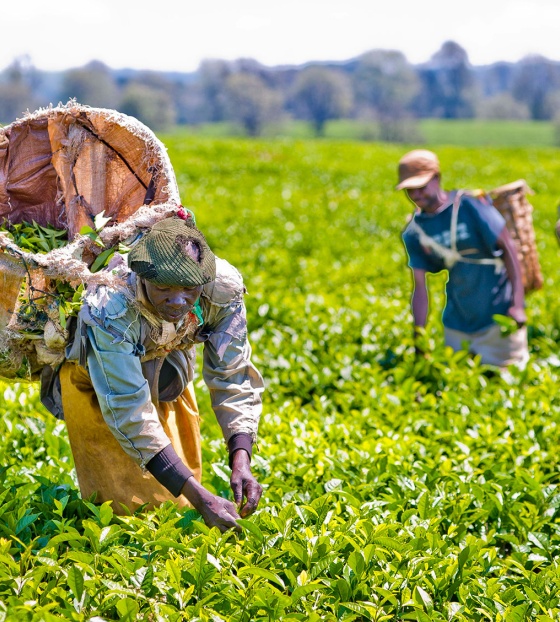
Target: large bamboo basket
{"type": "Point", "coordinates": [60, 167]}
{"type": "Point", "coordinates": [511, 201]}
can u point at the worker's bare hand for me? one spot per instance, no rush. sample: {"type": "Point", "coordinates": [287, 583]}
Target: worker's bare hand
{"type": "Point", "coordinates": [219, 512]}
{"type": "Point", "coordinates": [244, 484]}
{"type": "Point", "coordinates": [216, 511]}
{"type": "Point", "coordinates": [518, 314]}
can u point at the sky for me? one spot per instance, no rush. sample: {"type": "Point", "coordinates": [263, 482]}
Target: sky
{"type": "Point", "coordinates": [176, 35]}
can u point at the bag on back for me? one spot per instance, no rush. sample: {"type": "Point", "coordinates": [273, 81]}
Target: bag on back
{"type": "Point", "coordinates": [512, 203]}
{"type": "Point", "coordinates": [61, 168]}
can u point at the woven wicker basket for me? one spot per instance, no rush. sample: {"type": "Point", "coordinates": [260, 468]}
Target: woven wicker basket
{"type": "Point", "coordinates": [61, 167]}
{"type": "Point", "coordinates": [511, 201]}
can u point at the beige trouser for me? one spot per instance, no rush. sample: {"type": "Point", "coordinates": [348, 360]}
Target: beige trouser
{"type": "Point", "coordinates": [493, 347]}
{"type": "Point", "coordinates": [102, 465]}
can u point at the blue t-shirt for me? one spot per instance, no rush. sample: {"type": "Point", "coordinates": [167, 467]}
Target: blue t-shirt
{"type": "Point", "coordinates": [475, 292]}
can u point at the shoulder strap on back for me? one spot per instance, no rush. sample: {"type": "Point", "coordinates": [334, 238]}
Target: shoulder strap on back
{"type": "Point", "coordinates": [454, 219]}
{"type": "Point", "coordinates": [451, 255]}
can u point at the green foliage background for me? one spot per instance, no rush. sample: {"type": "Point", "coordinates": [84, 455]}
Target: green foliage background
{"type": "Point", "coordinates": [460, 132]}
{"type": "Point", "coordinates": [395, 488]}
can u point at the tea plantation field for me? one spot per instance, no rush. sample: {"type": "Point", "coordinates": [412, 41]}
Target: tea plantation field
{"type": "Point", "coordinates": [396, 488]}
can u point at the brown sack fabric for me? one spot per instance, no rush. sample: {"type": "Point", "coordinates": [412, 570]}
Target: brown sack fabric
{"type": "Point", "coordinates": [60, 167]}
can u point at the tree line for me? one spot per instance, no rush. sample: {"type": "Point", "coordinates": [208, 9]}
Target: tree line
{"type": "Point", "coordinates": [380, 86]}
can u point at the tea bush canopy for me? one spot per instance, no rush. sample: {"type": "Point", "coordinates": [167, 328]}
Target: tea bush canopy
{"type": "Point", "coordinates": [396, 488]}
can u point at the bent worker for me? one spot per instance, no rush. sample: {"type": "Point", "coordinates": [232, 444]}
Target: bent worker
{"type": "Point", "coordinates": [126, 387]}
{"type": "Point", "coordinates": [469, 238]}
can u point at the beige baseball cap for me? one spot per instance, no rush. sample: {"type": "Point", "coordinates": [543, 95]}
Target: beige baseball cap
{"type": "Point", "coordinates": [416, 168]}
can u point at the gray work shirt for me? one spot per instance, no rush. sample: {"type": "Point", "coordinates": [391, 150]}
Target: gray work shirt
{"type": "Point", "coordinates": [126, 352]}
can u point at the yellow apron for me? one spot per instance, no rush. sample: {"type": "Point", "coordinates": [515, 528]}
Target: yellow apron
{"type": "Point", "coordinates": [101, 464]}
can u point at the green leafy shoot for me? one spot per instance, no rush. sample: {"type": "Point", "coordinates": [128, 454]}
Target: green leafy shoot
{"type": "Point", "coordinates": [507, 324]}
{"type": "Point", "coordinates": [99, 223]}
{"type": "Point", "coordinates": [35, 238]}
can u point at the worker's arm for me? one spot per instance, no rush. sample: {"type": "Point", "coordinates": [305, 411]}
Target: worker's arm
{"type": "Point", "coordinates": [234, 383]}
{"type": "Point", "coordinates": [419, 298]}
{"type": "Point", "coordinates": [235, 387]}
{"type": "Point", "coordinates": [513, 269]}
{"type": "Point", "coordinates": [419, 304]}
{"type": "Point", "coordinates": [126, 406]}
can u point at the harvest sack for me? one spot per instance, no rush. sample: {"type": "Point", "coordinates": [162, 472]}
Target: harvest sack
{"type": "Point", "coordinates": [61, 167]}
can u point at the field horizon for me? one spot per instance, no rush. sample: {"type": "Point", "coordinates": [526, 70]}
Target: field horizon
{"type": "Point", "coordinates": [434, 132]}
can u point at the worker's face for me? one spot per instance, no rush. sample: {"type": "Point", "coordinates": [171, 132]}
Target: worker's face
{"type": "Point", "coordinates": [428, 197]}
{"type": "Point", "coordinates": [172, 303]}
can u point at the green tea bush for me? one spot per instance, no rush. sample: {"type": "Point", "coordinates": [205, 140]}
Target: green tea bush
{"type": "Point", "coordinates": [396, 487]}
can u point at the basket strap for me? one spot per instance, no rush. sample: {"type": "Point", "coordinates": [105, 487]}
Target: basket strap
{"type": "Point", "coordinates": [455, 218]}
{"type": "Point", "coordinates": [451, 255]}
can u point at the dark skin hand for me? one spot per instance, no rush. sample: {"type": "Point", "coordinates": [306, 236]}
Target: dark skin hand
{"type": "Point", "coordinates": [219, 512]}
{"type": "Point", "coordinates": [216, 511]}
{"type": "Point", "coordinates": [244, 485]}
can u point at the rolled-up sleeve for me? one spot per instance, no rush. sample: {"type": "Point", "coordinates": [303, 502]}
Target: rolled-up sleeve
{"type": "Point", "coordinates": [123, 393]}
{"type": "Point", "coordinates": [234, 383]}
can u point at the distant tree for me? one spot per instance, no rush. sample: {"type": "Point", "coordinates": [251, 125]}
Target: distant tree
{"type": "Point", "coordinates": [253, 67]}
{"type": "Point", "coordinates": [250, 102]}
{"type": "Point", "coordinates": [556, 126]}
{"type": "Point", "coordinates": [15, 99]}
{"type": "Point", "coordinates": [535, 78]}
{"type": "Point", "coordinates": [553, 104]}
{"type": "Point", "coordinates": [502, 106]}
{"type": "Point", "coordinates": [93, 85]}
{"type": "Point", "coordinates": [320, 94]}
{"type": "Point", "coordinates": [385, 83]}
{"type": "Point", "coordinates": [22, 71]}
{"type": "Point", "coordinates": [447, 84]}
{"type": "Point", "coordinates": [149, 105]}
{"type": "Point", "coordinates": [17, 84]}
{"type": "Point", "coordinates": [153, 79]}
{"type": "Point", "coordinates": [495, 79]}
{"type": "Point", "coordinates": [190, 104]}
{"type": "Point", "coordinates": [212, 79]}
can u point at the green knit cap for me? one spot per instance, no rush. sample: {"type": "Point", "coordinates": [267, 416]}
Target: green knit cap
{"type": "Point", "coordinates": [162, 255]}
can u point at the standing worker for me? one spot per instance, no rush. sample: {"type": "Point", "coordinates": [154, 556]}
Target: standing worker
{"type": "Point", "coordinates": [126, 386]}
{"type": "Point", "coordinates": [469, 238]}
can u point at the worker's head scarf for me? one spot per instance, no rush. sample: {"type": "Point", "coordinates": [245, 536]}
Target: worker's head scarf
{"type": "Point", "coordinates": [165, 255]}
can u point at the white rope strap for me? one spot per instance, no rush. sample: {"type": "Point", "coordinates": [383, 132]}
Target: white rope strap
{"type": "Point", "coordinates": [451, 255]}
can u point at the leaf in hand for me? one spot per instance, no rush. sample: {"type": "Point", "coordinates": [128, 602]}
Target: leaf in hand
{"type": "Point", "coordinates": [507, 324]}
